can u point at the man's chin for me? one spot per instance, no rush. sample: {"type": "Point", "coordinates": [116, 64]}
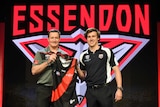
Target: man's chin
{"type": "Point", "coordinates": [54, 45]}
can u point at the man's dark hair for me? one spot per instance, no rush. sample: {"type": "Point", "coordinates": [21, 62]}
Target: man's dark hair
{"type": "Point", "coordinates": [54, 30]}
{"type": "Point", "coordinates": [89, 30]}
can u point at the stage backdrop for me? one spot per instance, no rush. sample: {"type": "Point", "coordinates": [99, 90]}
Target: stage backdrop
{"type": "Point", "coordinates": [129, 29]}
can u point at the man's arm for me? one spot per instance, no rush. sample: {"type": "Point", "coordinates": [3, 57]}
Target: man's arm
{"type": "Point", "coordinates": [81, 73]}
{"type": "Point", "coordinates": [38, 68]}
{"type": "Point", "coordinates": [118, 77]}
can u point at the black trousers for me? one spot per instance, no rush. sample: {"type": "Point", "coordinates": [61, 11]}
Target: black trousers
{"type": "Point", "coordinates": [43, 96]}
{"type": "Point", "coordinates": [99, 96]}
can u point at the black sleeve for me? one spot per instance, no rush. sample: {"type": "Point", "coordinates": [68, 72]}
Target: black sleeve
{"type": "Point", "coordinates": [112, 61]}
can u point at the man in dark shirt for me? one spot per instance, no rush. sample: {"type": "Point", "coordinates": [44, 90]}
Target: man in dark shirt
{"type": "Point", "coordinates": [96, 65]}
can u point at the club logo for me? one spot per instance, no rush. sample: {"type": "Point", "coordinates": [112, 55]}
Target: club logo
{"type": "Point", "coordinates": [100, 56]}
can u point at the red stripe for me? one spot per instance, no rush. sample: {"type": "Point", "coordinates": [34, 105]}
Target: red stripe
{"type": "Point", "coordinates": [83, 103]}
{"type": "Point", "coordinates": [158, 58]}
{"type": "Point", "coordinates": [2, 29]}
{"type": "Point", "coordinates": [66, 80]}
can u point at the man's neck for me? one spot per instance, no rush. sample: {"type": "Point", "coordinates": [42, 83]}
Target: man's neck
{"type": "Point", "coordinates": [94, 48]}
{"type": "Point", "coordinates": [53, 49]}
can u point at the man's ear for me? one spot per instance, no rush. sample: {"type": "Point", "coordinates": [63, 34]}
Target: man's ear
{"type": "Point", "coordinates": [98, 39]}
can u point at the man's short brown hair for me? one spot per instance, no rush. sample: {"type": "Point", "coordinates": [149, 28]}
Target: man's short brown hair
{"type": "Point", "coordinates": [54, 30]}
{"type": "Point", "coordinates": [89, 30]}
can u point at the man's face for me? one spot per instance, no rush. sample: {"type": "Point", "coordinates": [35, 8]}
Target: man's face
{"type": "Point", "coordinates": [54, 39]}
{"type": "Point", "coordinates": [92, 39]}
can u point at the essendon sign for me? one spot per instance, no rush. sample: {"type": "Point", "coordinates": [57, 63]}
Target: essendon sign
{"type": "Point", "coordinates": [40, 18]}
{"type": "Point", "coordinates": [31, 21]}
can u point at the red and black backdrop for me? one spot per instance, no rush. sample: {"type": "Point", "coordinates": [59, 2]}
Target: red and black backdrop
{"type": "Point", "coordinates": [130, 29]}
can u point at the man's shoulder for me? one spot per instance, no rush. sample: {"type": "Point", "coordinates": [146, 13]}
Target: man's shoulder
{"type": "Point", "coordinates": [105, 49]}
{"type": "Point", "coordinates": [62, 51]}
{"type": "Point", "coordinates": [84, 51]}
{"type": "Point", "coordinates": [45, 49]}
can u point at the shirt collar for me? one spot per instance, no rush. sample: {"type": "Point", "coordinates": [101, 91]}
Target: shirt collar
{"type": "Point", "coordinates": [89, 51]}
{"type": "Point", "coordinates": [48, 49]}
